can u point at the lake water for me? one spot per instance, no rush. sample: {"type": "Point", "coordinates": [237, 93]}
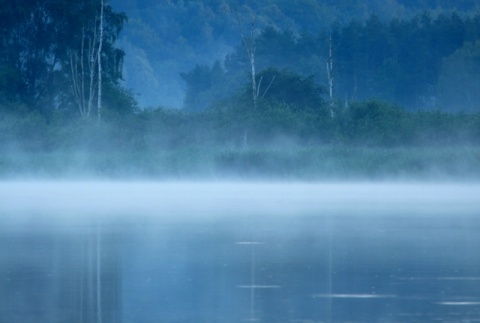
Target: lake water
{"type": "Point", "coordinates": [233, 252]}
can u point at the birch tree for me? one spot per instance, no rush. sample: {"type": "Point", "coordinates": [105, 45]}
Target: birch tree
{"type": "Point", "coordinates": [250, 47]}
{"type": "Point", "coordinates": [60, 53]}
{"type": "Point", "coordinates": [86, 67]}
{"type": "Point", "coordinates": [330, 75]}
{"type": "Point", "coordinates": [99, 59]}
{"type": "Point", "coordinates": [83, 65]}
{"type": "Point", "coordinates": [249, 44]}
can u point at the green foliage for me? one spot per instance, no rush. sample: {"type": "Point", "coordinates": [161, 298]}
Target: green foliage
{"type": "Point", "coordinates": [118, 101]}
{"type": "Point", "coordinates": [459, 84]}
{"type": "Point", "coordinates": [10, 84]}
{"type": "Point", "coordinates": [289, 133]}
{"type": "Point", "coordinates": [408, 61]}
{"type": "Point", "coordinates": [204, 86]}
{"type": "Point", "coordinates": [365, 140]}
{"type": "Point", "coordinates": [375, 123]}
{"type": "Point", "coordinates": [170, 37]}
{"type": "Point", "coordinates": [165, 38]}
{"type": "Point", "coordinates": [398, 61]}
{"type": "Point", "coordinates": [21, 129]}
{"type": "Point", "coordinates": [289, 88]}
{"type": "Point", "coordinates": [38, 41]}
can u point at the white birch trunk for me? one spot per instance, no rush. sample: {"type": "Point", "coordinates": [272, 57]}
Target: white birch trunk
{"type": "Point", "coordinates": [330, 75]}
{"type": "Point", "coordinates": [77, 70]}
{"type": "Point", "coordinates": [250, 48]}
{"type": "Point", "coordinates": [100, 44]}
{"type": "Point", "coordinates": [86, 69]}
{"type": "Point", "coordinates": [92, 62]}
{"type": "Point", "coordinates": [254, 82]}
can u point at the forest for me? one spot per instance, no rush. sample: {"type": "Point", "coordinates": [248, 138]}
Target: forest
{"type": "Point", "coordinates": [292, 89]}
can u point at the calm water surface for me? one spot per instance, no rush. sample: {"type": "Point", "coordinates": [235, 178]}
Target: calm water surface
{"type": "Point", "coordinates": [235, 252]}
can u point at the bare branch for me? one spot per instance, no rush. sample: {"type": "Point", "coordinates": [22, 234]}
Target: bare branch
{"type": "Point", "coordinates": [258, 87]}
{"type": "Point", "coordinates": [268, 87]}
{"type": "Point", "coordinates": [330, 75]}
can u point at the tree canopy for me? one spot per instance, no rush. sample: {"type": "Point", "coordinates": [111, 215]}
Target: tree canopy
{"type": "Point", "coordinates": [387, 77]}
{"type": "Point", "coordinates": [39, 41]}
{"type": "Point", "coordinates": [166, 38]}
{"type": "Point", "coordinates": [404, 61]}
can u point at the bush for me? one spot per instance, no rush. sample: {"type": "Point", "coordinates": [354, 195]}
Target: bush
{"type": "Point", "coordinates": [375, 123]}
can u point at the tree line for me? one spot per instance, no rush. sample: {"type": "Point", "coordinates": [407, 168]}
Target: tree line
{"type": "Point", "coordinates": [60, 68]}
{"type": "Point", "coordinates": [164, 38]}
{"type": "Point", "coordinates": [423, 62]}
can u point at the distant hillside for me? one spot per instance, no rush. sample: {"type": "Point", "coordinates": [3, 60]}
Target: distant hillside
{"type": "Point", "coordinates": [165, 38]}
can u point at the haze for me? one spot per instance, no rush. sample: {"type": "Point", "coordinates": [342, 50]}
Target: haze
{"type": "Point", "coordinates": [206, 200]}
{"type": "Point", "coordinates": [223, 161]}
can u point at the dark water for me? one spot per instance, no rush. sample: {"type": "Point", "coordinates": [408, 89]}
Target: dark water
{"type": "Point", "coordinates": [329, 253]}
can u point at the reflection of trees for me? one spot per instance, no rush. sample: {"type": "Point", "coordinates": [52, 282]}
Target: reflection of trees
{"type": "Point", "coordinates": [72, 276]}
{"type": "Point", "coordinates": [91, 277]}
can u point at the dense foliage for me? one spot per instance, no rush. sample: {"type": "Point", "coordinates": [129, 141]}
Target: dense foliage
{"type": "Point", "coordinates": [49, 55]}
{"type": "Point", "coordinates": [165, 38]}
{"type": "Point", "coordinates": [368, 139]}
{"type": "Point", "coordinates": [50, 68]}
{"type": "Point", "coordinates": [418, 63]}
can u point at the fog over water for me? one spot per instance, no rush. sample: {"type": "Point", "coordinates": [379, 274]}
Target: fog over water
{"type": "Point", "coordinates": [131, 251]}
{"type": "Point", "coordinates": [238, 198]}
{"type": "Point", "coordinates": [263, 161]}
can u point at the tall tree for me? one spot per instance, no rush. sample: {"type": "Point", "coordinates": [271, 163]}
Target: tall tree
{"type": "Point", "coordinates": [93, 59]}
{"type": "Point", "coordinates": [41, 47]}
{"type": "Point", "coordinates": [249, 43]}
{"type": "Point", "coordinates": [27, 48]}
{"type": "Point", "coordinates": [330, 76]}
{"type": "Point", "coordinates": [99, 54]}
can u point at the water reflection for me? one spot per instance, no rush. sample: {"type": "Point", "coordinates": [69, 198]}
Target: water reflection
{"type": "Point", "coordinates": [310, 266]}
{"type": "Point", "coordinates": [67, 275]}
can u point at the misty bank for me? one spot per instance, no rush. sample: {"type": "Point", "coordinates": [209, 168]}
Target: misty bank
{"type": "Point", "coordinates": [367, 140]}
{"type": "Point", "coordinates": [287, 163]}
